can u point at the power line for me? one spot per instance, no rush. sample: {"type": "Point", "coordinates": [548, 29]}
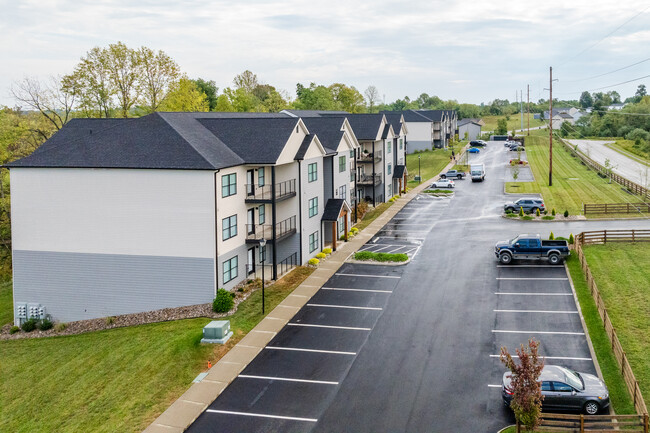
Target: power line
{"type": "Point", "coordinates": [607, 73]}
{"type": "Point", "coordinates": [606, 87]}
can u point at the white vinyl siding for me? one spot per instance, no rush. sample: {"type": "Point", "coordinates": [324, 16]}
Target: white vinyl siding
{"type": "Point", "coordinates": [230, 269]}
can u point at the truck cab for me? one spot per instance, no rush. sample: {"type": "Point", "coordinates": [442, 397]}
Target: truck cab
{"type": "Point", "coordinates": [531, 247]}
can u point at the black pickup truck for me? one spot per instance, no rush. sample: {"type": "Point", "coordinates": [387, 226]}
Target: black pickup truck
{"type": "Point", "coordinates": [531, 247]}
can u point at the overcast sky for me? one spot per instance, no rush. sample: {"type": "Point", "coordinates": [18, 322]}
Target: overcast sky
{"type": "Point", "coordinates": [471, 51]}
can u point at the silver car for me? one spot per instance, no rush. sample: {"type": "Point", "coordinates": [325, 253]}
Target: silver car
{"type": "Point", "coordinates": [565, 389]}
{"type": "Point", "coordinates": [443, 183]}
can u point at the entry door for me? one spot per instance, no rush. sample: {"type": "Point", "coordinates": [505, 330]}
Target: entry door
{"type": "Point", "coordinates": [250, 265]}
{"type": "Point", "coordinates": [250, 182]}
{"type": "Point", "coordinates": [250, 224]}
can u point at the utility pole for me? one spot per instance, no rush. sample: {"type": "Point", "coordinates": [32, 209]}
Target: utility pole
{"type": "Point", "coordinates": [550, 128]}
{"type": "Point", "coordinates": [528, 105]}
{"type": "Point", "coordinates": [521, 110]}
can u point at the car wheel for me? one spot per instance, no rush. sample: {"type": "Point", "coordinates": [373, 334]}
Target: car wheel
{"type": "Point", "coordinates": [442, 176]}
{"type": "Point", "coordinates": [511, 209]}
{"type": "Point", "coordinates": [533, 210]}
{"type": "Point", "coordinates": [591, 408]}
{"type": "Point", "coordinates": [554, 259]}
{"type": "Point", "coordinates": [505, 258]}
{"type": "Point", "coordinates": [459, 177]}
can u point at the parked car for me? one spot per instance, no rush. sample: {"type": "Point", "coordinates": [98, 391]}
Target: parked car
{"type": "Point", "coordinates": [443, 183]}
{"type": "Point", "coordinates": [473, 150]}
{"type": "Point", "coordinates": [518, 161]}
{"type": "Point", "coordinates": [509, 143]}
{"type": "Point", "coordinates": [565, 389]}
{"type": "Point", "coordinates": [530, 204]}
{"type": "Point", "coordinates": [517, 148]}
{"type": "Point", "coordinates": [453, 174]}
{"type": "Point", "coordinates": [480, 143]}
{"type": "Point", "coordinates": [531, 247]}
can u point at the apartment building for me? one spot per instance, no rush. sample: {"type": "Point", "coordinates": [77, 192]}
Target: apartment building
{"type": "Point", "coordinates": [428, 129]}
{"type": "Point", "coordinates": [117, 216]}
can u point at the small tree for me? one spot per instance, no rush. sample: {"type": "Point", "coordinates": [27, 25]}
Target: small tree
{"type": "Point", "coordinates": [537, 211]}
{"type": "Point", "coordinates": [551, 236]}
{"type": "Point", "coordinates": [502, 127]}
{"type": "Point", "coordinates": [524, 383]}
{"type": "Point", "coordinates": [515, 173]}
{"type": "Point", "coordinates": [571, 239]}
{"type": "Point", "coordinates": [553, 212]}
{"type": "Point", "coordinates": [566, 214]}
{"type": "Point", "coordinates": [521, 211]}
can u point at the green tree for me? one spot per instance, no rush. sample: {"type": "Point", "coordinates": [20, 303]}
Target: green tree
{"type": "Point", "coordinates": [158, 72]}
{"type": "Point", "coordinates": [246, 80]}
{"type": "Point", "coordinates": [125, 72]}
{"type": "Point", "coordinates": [90, 83]}
{"type": "Point", "coordinates": [586, 100]}
{"type": "Point", "coordinates": [184, 95]}
{"type": "Point", "coordinates": [314, 98]}
{"type": "Point", "coordinates": [51, 99]}
{"type": "Point", "coordinates": [347, 98]}
{"type": "Point", "coordinates": [223, 104]}
{"type": "Point", "coordinates": [502, 127]}
{"type": "Point", "coordinates": [372, 98]}
{"type": "Point", "coordinates": [210, 89]}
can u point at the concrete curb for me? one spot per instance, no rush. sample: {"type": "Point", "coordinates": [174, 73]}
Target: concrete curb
{"type": "Point", "coordinates": [184, 411]}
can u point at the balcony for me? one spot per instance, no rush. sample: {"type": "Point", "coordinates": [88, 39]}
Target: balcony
{"type": "Point", "coordinates": [436, 126]}
{"type": "Point", "coordinates": [264, 194]}
{"type": "Point", "coordinates": [369, 157]}
{"type": "Point", "coordinates": [283, 229]}
{"type": "Point", "coordinates": [369, 179]}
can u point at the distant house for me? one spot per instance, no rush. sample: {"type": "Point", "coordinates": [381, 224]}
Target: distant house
{"type": "Point", "coordinates": [617, 106]}
{"type": "Point", "coordinates": [471, 127]}
{"type": "Point", "coordinates": [428, 129]}
{"type": "Point", "coordinates": [561, 115]}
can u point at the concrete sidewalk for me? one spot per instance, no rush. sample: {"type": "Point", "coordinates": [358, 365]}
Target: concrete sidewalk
{"type": "Point", "coordinates": [184, 411]}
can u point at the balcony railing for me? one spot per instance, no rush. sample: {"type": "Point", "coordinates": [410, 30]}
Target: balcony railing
{"type": "Point", "coordinates": [369, 179]}
{"type": "Point", "coordinates": [369, 157]}
{"type": "Point", "coordinates": [255, 232]}
{"type": "Point", "coordinates": [264, 193]}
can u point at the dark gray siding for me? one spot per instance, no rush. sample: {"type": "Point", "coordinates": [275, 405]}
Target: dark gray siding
{"type": "Point", "coordinates": [418, 145]}
{"type": "Point", "coordinates": [328, 182]}
{"type": "Point", "coordinates": [288, 246]}
{"type": "Point", "coordinates": [77, 286]}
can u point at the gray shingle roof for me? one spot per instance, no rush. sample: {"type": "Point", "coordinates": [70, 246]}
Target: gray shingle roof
{"type": "Point", "coordinates": [395, 120]}
{"type": "Point", "coordinates": [328, 130]}
{"type": "Point", "coordinates": [398, 172]}
{"type": "Point", "coordinates": [304, 146]}
{"type": "Point", "coordinates": [332, 209]}
{"type": "Point", "coordinates": [409, 115]}
{"type": "Point", "coordinates": [365, 126]}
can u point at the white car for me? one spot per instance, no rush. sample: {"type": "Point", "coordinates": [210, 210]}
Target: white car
{"type": "Point", "coordinates": [443, 183]}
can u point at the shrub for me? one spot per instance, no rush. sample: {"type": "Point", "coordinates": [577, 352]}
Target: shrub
{"type": "Point", "coordinates": [350, 234]}
{"type": "Point", "coordinates": [521, 211]}
{"type": "Point", "coordinates": [553, 212]}
{"type": "Point", "coordinates": [109, 320]}
{"type": "Point", "coordinates": [548, 217]}
{"type": "Point", "coordinates": [537, 212]}
{"type": "Point", "coordinates": [321, 255]}
{"type": "Point", "coordinates": [314, 262]}
{"type": "Point", "coordinates": [380, 257]}
{"type": "Point", "coordinates": [45, 324]}
{"type": "Point", "coordinates": [14, 329]}
{"type": "Point", "coordinates": [391, 199]}
{"type": "Point", "coordinates": [354, 230]}
{"type": "Point", "coordinates": [638, 134]}
{"type": "Point", "coordinates": [29, 325]}
{"type": "Point", "coordinates": [508, 211]}
{"type": "Point", "coordinates": [511, 215]}
{"type": "Point", "coordinates": [571, 239]}
{"type": "Point", "coordinates": [527, 217]}
{"type": "Point", "coordinates": [551, 236]}
{"type": "Point", "coordinates": [566, 213]}
{"type": "Point", "coordinates": [328, 250]}
{"type": "Point", "coordinates": [223, 302]}
{"type": "Point", "coordinates": [60, 326]}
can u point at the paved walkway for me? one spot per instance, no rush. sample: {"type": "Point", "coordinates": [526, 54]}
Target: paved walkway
{"type": "Point", "coordinates": [199, 396]}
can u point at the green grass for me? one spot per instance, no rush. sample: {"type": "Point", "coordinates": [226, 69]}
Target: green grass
{"type": "Point", "coordinates": [432, 162]}
{"type": "Point", "coordinates": [372, 215]}
{"type": "Point", "coordinates": [380, 257]}
{"type": "Point", "coordinates": [118, 380]}
{"type": "Point", "coordinates": [6, 302]}
{"type": "Point", "coordinates": [627, 146]}
{"type": "Point", "coordinates": [573, 183]}
{"type": "Point", "coordinates": [621, 272]}
{"type": "Point", "coordinates": [437, 191]}
{"type": "Point", "coordinates": [513, 123]}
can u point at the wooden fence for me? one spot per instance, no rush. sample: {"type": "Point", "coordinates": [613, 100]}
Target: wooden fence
{"type": "Point", "coordinates": [631, 186]}
{"type": "Point", "coordinates": [592, 423]}
{"type": "Point", "coordinates": [615, 208]}
{"type": "Point", "coordinates": [602, 237]}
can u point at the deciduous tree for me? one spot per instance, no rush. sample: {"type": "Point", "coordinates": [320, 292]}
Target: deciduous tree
{"type": "Point", "coordinates": [159, 71]}
{"type": "Point", "coordinates": [372, 98]}
{"type": "Point", "coordinates": [52, 100]}
{"type": "Point", "coordinates": [184, 95]}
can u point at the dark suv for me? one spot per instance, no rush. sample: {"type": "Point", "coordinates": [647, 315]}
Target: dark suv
{"type": "Point", "coordinates": [529, 205]}
{"type": "Point", "coordinates": [477, 143]}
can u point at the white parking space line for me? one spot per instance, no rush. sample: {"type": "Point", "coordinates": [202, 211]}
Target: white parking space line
{"type": "Point", "coordinates": [404, 231]}
{"type": "Point", "coordinates": [308, 325]}
{"type": "Point", "coordinates": [530, 266]}
{"type": "Point", "coordinates": [493, 386]}
{"type": "Point", "coordinates": [536, 311]}
{"type": "Point", "coordinates": [562, 358]}
{"type": "Point", "coordinates": [344, 306]}
{"type": "Point", "coordinates": [401, 239]}
{"type": "Point", "coordinates": [357, 290]}
{"type": "Point", "coordinates": [287, 379]}
{"type": "Point", "coordinates": [504, 331]}
{"type": "Point", "coordinates": [261, 415]}
{"type": "Point", "coordinates": [533, 279]}
{"type": "Point", "coordinates": [367, 275]}
{"type": "Point", "coordinates": [382, 248]}
{"type": "Point", "coordinates": [298, 349]}
{"type": "Point", "coordinates": [532, 294]}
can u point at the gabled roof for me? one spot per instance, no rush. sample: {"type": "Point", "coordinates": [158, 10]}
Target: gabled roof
{"type": "Point", "coordinates": [387, 129]}
{"type": "Point", "coordinates": [328, 129]}
{"type": "Point", "coordinates": [395, 119]}
{"type": "Point", "coordinates": [333, 209]}
{"type": "Point", "coordinates": [312, 113]}
{"type": "Point", "coordinates": [433, 115]}
{"type": "Point", "coordinates": [409, 115]}
{"type": "Point", "coordinates": [398, 172]}
{"type": "Point", "coordinates": [468, 121]}
{"type": "Point", "coordinates": [366, 126]}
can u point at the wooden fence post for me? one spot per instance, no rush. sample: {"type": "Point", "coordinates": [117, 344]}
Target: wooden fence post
{"type": "Point", "coordinates": [605, 231]}
{"type": "Point", "coordinates": [518, 428]}
{"type": "Point", "coordinates": [636, 389]}
{"type": "Point", "coordinates": [623, 360]}
{"type": "Point", "coordinates": [582, 423]}
{"type": "Point", "coordinates": [645, 423]}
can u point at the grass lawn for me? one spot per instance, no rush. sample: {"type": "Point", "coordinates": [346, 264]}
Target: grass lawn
{"type": "Point", "coordinates": [372, 215]}
{"type": "Point", "coordinates": [118, 380]}
{"type": "Point", "coordinates": [6, 303]}
{"type": "Point", "coordinates": [513, 123]}
{"type": "Point", "coordinates": [431, 163]}
{"type": "Point", "coordinates": [627, 146]}
{"type": "Point", "coordinates": [573, 183]}
{"type": "Point", "coordinates": [622, 273]}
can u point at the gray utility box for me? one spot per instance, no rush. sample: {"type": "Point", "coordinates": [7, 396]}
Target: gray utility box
{"type": "Point", "coordinates": [217, 331]}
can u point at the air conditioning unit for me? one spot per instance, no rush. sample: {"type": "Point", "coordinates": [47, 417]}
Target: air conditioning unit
{"type": "Point", "coordinates": [217, 331]}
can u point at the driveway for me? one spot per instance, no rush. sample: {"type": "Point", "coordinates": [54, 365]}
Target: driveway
{"type": "Point", "coordinates": [412, 348]}
{"type": "Point", "coordinates": [624, 166]}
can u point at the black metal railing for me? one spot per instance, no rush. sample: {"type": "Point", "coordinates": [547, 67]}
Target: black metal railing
{"type": "Point", "coordinates": [255, 232]}
{"type": "Point", "coordinates": [370, 157]}
{"type": "Point", "coordinates": [369, 179]}
{"type": "Point", "coordinates": [287, 264]}
{"type": "Point", "coordinates": [265, 192]}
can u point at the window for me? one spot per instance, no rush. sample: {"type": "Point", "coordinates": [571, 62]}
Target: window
{"type": "Point", "coordinates": [229, 227]}
{"type": "Point", "coordinates": [343, 192]}
{"type": "Point", "coordinates": [313, 206]}
{"type": "Point", "coordinates": [546, 386]}
{"type": "Point", "coordinates": [351, 155]}
{"type": "Point", "coordinates": [562, 387]}
{"type": "Point", "coordinates": [312, 172]}
{"type": "Point", "coordinates": [388, 144]}
{"type": "Point", "coordinates": [390, 190]}
{"type": "Point", "coordinates": [262, 253]}
{"type": "Point", "coordinates": [230, 269]}
{"type": "Point", "coordinates": [260, 176]}
{"type": "Point", "coordinates": [262, 214]}
{"type": "Point", "coordinates": [341, 226]}
{"type": "Point", "coordinates": [341, 164]}
{"type": "Point", "coordinates": [228, 185]}
{"type": "Point", "coordinates": [389, 168]}
{"type": "Point", "coordinates": [313, 242]}
{"type": "Point", "coordinates": [401, 144]}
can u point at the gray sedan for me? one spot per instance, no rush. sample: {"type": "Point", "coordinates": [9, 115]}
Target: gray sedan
{"type": "Point", "coordinates": [565, 389]}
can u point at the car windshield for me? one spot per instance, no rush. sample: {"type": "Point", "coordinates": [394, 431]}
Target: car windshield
{"type": "Point", "coordinates": [572, 378]}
